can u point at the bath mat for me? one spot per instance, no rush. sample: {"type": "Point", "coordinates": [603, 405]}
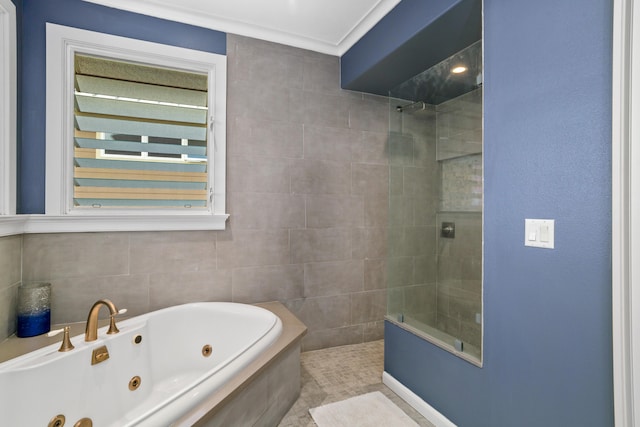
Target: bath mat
{"type": "Point", "coordinates": [367, 410]}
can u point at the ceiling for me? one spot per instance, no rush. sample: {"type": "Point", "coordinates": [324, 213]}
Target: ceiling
{"type": "Point", "coordinates": [327, 26]}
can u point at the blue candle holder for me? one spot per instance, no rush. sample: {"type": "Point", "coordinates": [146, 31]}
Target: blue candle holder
{"type": "Point", "coordinates": [34, 309]}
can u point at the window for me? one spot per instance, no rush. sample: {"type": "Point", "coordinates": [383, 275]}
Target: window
{"type": "Point", "coordinates": [135, 134]}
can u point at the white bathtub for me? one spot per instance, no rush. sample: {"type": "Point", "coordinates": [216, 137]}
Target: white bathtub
{"type": "Point", "coordinates": [174, 374]}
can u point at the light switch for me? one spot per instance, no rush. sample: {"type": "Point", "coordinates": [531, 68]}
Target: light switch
{"type": "Point", "coordinates": [539, 233]}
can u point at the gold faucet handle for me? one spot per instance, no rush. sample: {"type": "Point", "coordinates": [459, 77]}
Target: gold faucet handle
{"type": "Point", "coordinates": [113, 329]}
{"type": "Point", "coordinates": [66, 341]}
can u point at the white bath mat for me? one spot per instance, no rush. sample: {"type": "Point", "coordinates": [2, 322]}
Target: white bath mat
{"type": "Point", "coordinates": [367, 410]}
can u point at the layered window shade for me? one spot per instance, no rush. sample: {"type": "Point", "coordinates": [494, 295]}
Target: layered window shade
{"type": "Point", "coordinates": [140, 137]}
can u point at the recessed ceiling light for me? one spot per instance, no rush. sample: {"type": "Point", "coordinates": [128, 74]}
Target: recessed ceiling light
{"type": "Point", "coordinates": [459, 69]}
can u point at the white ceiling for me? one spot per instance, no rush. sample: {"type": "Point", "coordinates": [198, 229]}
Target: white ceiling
{"type": "Point", "coordinates": [327, 26]}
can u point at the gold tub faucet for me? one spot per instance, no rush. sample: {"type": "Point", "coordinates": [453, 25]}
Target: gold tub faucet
{"type": "Point", "coordinates": [91, 330]}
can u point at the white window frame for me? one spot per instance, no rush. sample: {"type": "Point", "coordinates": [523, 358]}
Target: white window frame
{"type": "Point", "coordinates": [8, 107]}
{"type": "Point", "coordinates": [62, 43]}
{"type": "Point", "coordinates": [10, 224]}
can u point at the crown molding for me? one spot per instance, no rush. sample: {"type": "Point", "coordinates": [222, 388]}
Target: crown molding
{"type": "Point", "coordinates": [232, 26]}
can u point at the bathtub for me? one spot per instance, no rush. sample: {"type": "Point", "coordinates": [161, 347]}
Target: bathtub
{"type": "Point", "coordinates": [161, 366]}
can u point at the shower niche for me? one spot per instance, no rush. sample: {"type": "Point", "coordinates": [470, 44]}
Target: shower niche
{"type": "Point", "coordinates": [434, 268]}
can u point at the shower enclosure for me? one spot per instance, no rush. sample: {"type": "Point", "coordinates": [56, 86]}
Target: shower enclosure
{"type": "Point", "coordinates": [434, 269]}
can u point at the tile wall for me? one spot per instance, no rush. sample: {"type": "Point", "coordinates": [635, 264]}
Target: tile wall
{"type": "Point", "coordinates": [307, 181]}
{"type": "Point", "coordinates": [10, 274]}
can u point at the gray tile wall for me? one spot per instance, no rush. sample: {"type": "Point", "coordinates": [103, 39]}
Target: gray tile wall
{"type": "Point", "coordinates": [10, 277]}
{"type": "Point", "coordinates": [308, 180]}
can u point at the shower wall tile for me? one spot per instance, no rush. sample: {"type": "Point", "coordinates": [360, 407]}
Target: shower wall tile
{"type": "Point", "coordinates": [320, 177]}
{"type": "Point", "coordinates": [246, 248]}
{"type": "Point", "coordinates": [371, 113]}
{"type": "Point", "coordinates": [371, 148]}
{"type": "Point", "coordinates": [327, 143]}
{"type": "Point", "coordinates": [334, 211]}
{"type": "Point", "coordinates": [321, 109]}
{"type": "Point", "coordinates": [269, 283]}
{"type": "Point", "coordinates": [333, 278]}
{"type": "Point", "coordinates": [369, 243]}
{"type": "Point", "coordinates": [258, 174]}
{"type": "Point", "coordinates": [265, 138]}
{"type": "Point", "coordinates": [267, 210]}
{"type": "Point", "coordinates": [322, 74]}
{"type": "Point", "coordinates": [375, 274]}
{"type": "Point", "coordinates": [320, 244]}
{"type": "Point", "coordinates": [368, 306]}
{"type": "Point", "coordinates": [370, 180]}
{"type": "Point", "coordinates": [323, 312]}
{"type": "Point", "coordinates": [67, 255]}
{"type": "Point", "coordinates": [324, 338]}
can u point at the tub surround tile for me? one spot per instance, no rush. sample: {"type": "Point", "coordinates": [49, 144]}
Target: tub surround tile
{"type": "Point", "coordinates": [8, 304]}
{"type": "Point", "coordinates": [322, 312]}
{"type": "Point", "coordinates": [184, 251]}
{"type": "Point", "coordinates": [335, 337]}
{"type": "Point", "coordinates": [269, 283]}
{"type": "Point", "coordinates": [246, 248]}
{"type": "Point", "coordinates": [71, 298]}
{"type": "Point", "coordinates": [10, 261]}
{"type": "Point", "coordinates": [66, 255]}
{"type": "Point", "coordinates": [167, 289]}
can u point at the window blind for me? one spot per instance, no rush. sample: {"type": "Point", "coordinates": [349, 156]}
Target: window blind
{"type": "Point", "coordinates": [140, 138]}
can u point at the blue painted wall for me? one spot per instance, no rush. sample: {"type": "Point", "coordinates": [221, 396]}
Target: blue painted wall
{"type": "Point", "coordinates": [88, 16]}
{"type": "Point", "coordinates": [547, 313]}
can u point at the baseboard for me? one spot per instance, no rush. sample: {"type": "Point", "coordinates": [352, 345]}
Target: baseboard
{"type": "Point", "coordinates": [426, 410]}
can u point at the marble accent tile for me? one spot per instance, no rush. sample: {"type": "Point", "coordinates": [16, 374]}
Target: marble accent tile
{"type": "Point", "coordinates": [246, 248]}
{"type": "Point", "coordinates": [174, 251]}
{"type": "Point", "coordinates": [71, 298]}
{"type": "Point", "coordinates": [320, 177]}
{"type": "Point", "coordinates": [10, 261]}
{"type": "Point", "coordinates": [320, 244]}
{"type": "Point", "coordinates": [258, 175]}
{"type": "Point", "coordinates": [333, 278]}
{"type": "Point", "coordinates": [55, 256]}
{"type": "Point", "coordinates": [328, 143]}
{"type": "Point", "coordinates": [269, 283]}
{"type": "Point", "coordinates": [266, 211]}
{"type": "Point", "coordinates": [167, 289]}
{"type": "Point", "coordinates": [334, 211]}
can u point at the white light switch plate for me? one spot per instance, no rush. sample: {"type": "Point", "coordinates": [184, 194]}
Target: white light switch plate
{"type": "Point", "coordinates": [539, 233]}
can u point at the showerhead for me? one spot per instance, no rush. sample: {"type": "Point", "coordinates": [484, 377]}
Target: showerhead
{"type": "Point", "coordinates": [419, 105]}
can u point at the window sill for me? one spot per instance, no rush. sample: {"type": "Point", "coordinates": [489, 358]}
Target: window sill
{"type": "Point", "coordinates": [20, 224]}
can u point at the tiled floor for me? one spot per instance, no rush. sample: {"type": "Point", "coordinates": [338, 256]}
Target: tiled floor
{"type": "Point", "coordinates": [337, 373]}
